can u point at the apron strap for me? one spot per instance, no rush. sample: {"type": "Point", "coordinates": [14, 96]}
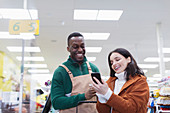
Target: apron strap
{"type": "Point", "coordinates": [68, 71]}
{"type": "Point", "coordinates": [89, 68]}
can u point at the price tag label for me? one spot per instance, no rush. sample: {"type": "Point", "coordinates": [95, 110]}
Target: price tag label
{"type": "Point", "coordinates": [24, 26]}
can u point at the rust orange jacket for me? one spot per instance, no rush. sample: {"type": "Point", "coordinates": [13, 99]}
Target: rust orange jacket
{"type": "Point", "coordinates": [133, 97]}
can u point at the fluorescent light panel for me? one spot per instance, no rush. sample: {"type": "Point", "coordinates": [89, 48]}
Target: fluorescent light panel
{"type": "Point", "coordinates": [167, 71]}
{"type": "Point", "coordinates": [166, 50]}
{"type": "Point", "coordinates": [38, 76]}
{"type": "Point", "coordinates": [91, 58]}
{"type": "Point", "coordinates": [155, 59]}
{"type": "Point", "coordinates": [19, 13]}
{"type": "Point", "coordinates": [26, 36]}
{"type": "Point", "coordinates": [109, 14]}
{"type": "Point", "coordinates": [41, 78]}
{"type": "Point", "coordinates": [97, 14]}
{"type": "Point", "coordinates": [154, 78]}
{"type": "Point", "coordinates": [93, 49]}
{"type": "Point", "coordinates": [145, 70]}
{"type": "Point", "coordinates": [96, 36]}
{"type": "Point", "coordinates": [30, 58]}
{"type": "Point", "coordinates": [85, 14]}
{"type": "Point", "coordinates": [26, 49]}
{"type": "Point", "coordinates": [35, 65]}
{"type": "Point", "coordinates": [38, 71]}
{"type": "Point", "coordinates": [152, 84]}
{"type": "Point", "coordinates": [157, 75]}
{"type": "Point", "coordinates": [148, 65]}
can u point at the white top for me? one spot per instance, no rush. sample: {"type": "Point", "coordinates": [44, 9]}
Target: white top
{"type": "Point", "coordinates": [118, 86]}
{"type": "Point", "coordinates": [119, 82]}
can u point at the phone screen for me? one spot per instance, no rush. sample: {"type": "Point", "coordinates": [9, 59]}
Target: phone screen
{"type": "Point", "coordinates": [97, 75]}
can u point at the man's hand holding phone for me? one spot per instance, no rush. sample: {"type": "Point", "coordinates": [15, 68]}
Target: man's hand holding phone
{"type": "Point", "coordinates": [90, 93]}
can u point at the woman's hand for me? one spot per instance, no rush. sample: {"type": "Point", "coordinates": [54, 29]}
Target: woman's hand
{"type": "Point", "coordinates": [100, 88]}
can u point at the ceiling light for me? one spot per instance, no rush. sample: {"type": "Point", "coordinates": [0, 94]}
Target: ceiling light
{"type": "Point", "coordinates": [93, 49]}
{"type": "Point", "coordinates": [167, 71]}
{"type": "Point", "coordinates": [97, 14]}
{"type": "Point", "coordinates": [156, 75]}
{"type": "Point", "coordinates": [96, 36]}
{"type": "Point", "coordinates": [148, 65]}
{"type": "Point", "coordinates": [41, 75]}
{"type": "Point", "coordinates": [91, 58]}
{"type": "Point", "coordinates": [85, 14]}
{"type": "Point", "coordinates": [155, 59]}
{"type": "Point", "coordinates": [26, 36]}
{"type": "Point", "coordinates": [41, 78]}
{"type": "Point", "coordinates": [166, 50]}
{"type": "Point", "coordinates": [26, 49]}
{"type": "Point", "coordinates": [38, 71]}
{"type": "Point", "coordinates": [35, 65]}
{"type": "Point", "coordinates": [109, 14]}
{"type": "Point", "coordinates": [18, 13]}
{"type": "Point", "coordinates": [152, 85]}
{"type": "Point", "coordinates": [30, 58]}
{"type": "Point", "coordinates": [145, 71]}
{"type": "Point", "coordinates": [34, 14]}
{"type": "Point", "coordinates": [154, 78]}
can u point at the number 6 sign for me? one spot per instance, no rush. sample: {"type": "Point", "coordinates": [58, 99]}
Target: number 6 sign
{"type": "Point", "coordinates": [24, 26]}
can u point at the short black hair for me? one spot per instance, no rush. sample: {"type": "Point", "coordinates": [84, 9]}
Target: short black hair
{"type": "Point", "coordinates": [74, 34]}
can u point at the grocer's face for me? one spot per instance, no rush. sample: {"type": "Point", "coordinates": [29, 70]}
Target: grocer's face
{"type": "Point", "coordinates": [76, 48]}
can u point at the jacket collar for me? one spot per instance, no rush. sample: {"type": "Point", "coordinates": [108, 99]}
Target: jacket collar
{"type": "Point", "coordinates": [71, 61]}
{"type": "Point", "coordinates": [132, 80]}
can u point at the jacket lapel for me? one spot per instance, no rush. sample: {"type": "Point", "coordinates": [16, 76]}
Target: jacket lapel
{"type": "Point", "coordinates": [129, 82]}
{"type": "Point", "coordinates": [111, 83]}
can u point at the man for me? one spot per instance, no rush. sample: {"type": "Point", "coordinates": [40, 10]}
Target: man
{"type": "Point", "coordinates": [70, 83]}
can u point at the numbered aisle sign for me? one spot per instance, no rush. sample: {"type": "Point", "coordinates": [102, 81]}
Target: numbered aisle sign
{"type": "Point", "coordinates": [24, 26]}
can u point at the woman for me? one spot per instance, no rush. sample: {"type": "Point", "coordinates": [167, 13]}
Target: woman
{"type": "Point", "coordinates": [126, 91]}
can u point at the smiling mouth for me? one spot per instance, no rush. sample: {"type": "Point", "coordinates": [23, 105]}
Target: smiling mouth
{"type": "Point", "coordinates": [79, 55]}
{"type": "Point", "coordinates": [117, 67]}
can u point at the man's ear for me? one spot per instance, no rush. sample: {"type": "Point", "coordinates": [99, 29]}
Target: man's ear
{"type": "Point", "coordinates": [68, 49]}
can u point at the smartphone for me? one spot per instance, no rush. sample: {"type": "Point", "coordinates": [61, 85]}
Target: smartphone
{"type": "Point", "coordinates": [97, 75]}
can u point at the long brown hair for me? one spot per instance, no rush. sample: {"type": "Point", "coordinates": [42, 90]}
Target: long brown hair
{"type": "Point", "coordinates": [131, 69]}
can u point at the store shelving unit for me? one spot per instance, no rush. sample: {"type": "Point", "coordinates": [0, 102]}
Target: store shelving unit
{"type": "Point", "coordinates": [163, 102]}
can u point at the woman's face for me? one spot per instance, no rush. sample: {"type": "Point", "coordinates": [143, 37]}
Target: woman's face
{"type": "Point", "coordinates": [119, 62]}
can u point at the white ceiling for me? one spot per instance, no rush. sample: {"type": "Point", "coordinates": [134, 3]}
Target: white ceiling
{"type": "Point", "coordinates": [135, 31]}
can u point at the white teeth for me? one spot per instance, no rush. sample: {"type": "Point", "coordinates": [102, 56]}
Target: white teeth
{"type": "Point", "coordinates": [79, 54]}
{"type": "Point", "coordinates": [116, 67]}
